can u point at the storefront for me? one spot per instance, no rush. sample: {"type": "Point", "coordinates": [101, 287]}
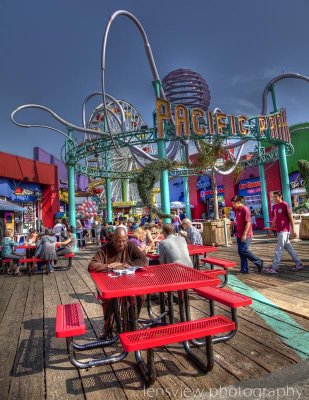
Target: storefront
{"type": "Point", "coordinates": [206, 195]}
{"type": "Point", "coordinates": [26, 195]}
{"type": "Point", "coordinates": [250, 190]}
{"type": "Point", "coordinates": [297, 187]}
{"type": "Point", "coordinates": [31, 185]}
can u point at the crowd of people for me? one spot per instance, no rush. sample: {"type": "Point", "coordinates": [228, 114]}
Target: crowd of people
{"type": "Point", "coordinates": [145, 237]}
{"type": "Point", "coordinates": [43, 246]}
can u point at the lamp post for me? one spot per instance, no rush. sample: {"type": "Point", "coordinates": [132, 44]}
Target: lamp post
{"type": "Point", "coordinates": [283, 165]}
{"type": "Point", "coordinates": [164, 186]}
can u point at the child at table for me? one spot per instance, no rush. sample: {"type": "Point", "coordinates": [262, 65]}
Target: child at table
{"type": "Point", "coordinates": [8, 245]}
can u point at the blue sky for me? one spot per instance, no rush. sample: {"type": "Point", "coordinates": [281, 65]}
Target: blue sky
{"type": "Point", "coordinates": [50, 55]}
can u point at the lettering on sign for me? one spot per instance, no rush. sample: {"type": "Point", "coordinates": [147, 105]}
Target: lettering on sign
{"type": "Point", "coordinates": [198, 122]}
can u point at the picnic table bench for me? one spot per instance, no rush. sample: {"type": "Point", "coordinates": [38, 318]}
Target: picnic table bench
{"type": "Point", "coordinates": [70, 323]}
{"type": "Point", "coordinates": [219, 262]}
{"type": "Point", "coordinates": [30, 261]}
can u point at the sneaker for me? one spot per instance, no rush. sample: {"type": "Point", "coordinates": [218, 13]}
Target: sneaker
{"type": "Point", "coordinates": [243, 272]}
{"type": "Point", "coordinates": [271, 270]}
{"type": "Point", "coordinates": [261, 266]}
{"type": "Point", "coordinates": [297, 267]}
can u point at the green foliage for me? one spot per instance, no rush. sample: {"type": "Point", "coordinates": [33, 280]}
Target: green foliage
{"type": "Point", "coordinates": [209, 153]}
{"type": "Point", "coordinates": [304, 172]}
{"type": "Point", "coordinates": [147, 179]}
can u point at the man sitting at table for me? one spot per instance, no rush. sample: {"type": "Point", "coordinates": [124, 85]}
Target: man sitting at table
{"type": "Point", "coordinates": [119, 253]}
{"type": "Point", "coordinates": [192, 235]}
{"type": "Point", "coordinates": [173, 249]}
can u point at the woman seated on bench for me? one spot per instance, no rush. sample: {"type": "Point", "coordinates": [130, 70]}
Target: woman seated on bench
{"type": "Point", "coordinates": [7, 251]}
{"type": "Point", "coordinates": [69, 245]}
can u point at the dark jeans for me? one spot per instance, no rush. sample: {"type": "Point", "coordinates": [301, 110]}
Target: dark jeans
{"type": "Point", "coordinates": [63, 252]}
{"type": "Point", "coordinates": [245, 255]}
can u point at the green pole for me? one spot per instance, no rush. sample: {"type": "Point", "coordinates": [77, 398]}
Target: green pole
{"type": "Point", "coordinates": [71, 183]}
{"type": "Point", "coordinates": [186, 192]}
{"type": "Point", "coordinates": [108, 200]}
{"type": "Point", "coordinates": [283, 165]}
{"type": "Point", "coordinates": [264, 198]}
{"type": "Point", "coordinates": [186, 196]}
{"type": "Point", "coordinates": [124, 189]}
{"type": "Point", "coordinates": [164, 186]}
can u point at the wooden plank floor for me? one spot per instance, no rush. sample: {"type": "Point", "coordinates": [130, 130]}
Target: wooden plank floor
{"type": "Point", "coordinates": [34, 364]}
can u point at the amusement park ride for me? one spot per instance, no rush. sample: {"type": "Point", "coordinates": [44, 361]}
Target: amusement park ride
{"type": "Point", "coordinates": [114, 144]}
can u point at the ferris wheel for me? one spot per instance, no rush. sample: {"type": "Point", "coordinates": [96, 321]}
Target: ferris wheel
{"type": "Point", "coordinates": [124, 161]}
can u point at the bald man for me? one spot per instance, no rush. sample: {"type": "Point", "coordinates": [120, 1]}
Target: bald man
{"type": "Point", "coordinates": [117, 254]}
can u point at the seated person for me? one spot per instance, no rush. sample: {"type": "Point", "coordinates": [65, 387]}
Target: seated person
{"type": "Point", "coordinates": [69, 245]}
{"type": "Point", "coordinates": [192, 236]}
{"type": "Point", "coordinates": [7, 247]}
{"type": "Point", "coordinates": [48, 249]}
{"type": "Point", "coordinates": [156, 235]}
{"type": "Point", "coordinates": [173, 249]}
{"type": "Point", "coordinates": [119, 253]}
{"type": "Point", "coordinates": [134, 225]}
{"type": "Point", "coordinates": [148, 237]}
{"type": "Point", "coordinates": [139, 238]}
{"type": "Point", "coordinates": [31, 238]}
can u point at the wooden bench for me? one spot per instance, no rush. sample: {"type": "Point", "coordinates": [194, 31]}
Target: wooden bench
{"type": "Point", "coordinates": [148, 339]}
{"type": "Point", "coordinates": [69, 320]}
{"type": "Point", "coordinates": [229, 298]}
{"type": "Point", "coordinates": [215, 273]}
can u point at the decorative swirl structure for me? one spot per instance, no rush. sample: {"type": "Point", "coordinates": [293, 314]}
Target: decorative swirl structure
{"type": "Point", "coordinates": [277, 79]}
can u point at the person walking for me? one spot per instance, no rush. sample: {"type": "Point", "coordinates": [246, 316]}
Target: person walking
{"type": "Point", "coordinates": [244, 236]}
{"type": "Point", "coordinates": [283, 221]}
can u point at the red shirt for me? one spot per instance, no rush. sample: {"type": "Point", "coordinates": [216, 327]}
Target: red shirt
{"type": "Point", "coordinates": [281, 213]}
{"type": "Point", "coordinates": [243, 216]}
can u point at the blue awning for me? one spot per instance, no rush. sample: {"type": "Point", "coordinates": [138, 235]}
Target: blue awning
{"type": "Point", "coordinates": [7, 206]}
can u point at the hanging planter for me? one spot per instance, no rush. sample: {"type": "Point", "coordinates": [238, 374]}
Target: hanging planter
{"type": "Point", "coordinates": [147, 179]}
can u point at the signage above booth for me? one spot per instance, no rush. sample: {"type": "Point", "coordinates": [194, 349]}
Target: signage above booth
{"type": "Point", "coordinates": [249, 187]}
{"type": "Point", "coordinates": [21, 191]}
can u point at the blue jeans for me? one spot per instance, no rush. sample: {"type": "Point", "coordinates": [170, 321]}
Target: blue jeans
{"type": "Point", "coordinates": [245, 255]}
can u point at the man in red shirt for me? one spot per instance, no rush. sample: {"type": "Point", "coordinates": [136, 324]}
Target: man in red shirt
{"type": "Point", "coordinates": [244, 236]}
{"type": "Point", "coordinates": [283, 220]}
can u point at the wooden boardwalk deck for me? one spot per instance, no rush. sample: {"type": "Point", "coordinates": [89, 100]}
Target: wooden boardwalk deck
{"type": "Point", "coordinates": [273, 334]}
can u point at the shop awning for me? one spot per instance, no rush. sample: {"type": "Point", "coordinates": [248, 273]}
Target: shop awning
{"type": "Point", "coordinates": [7, 206]}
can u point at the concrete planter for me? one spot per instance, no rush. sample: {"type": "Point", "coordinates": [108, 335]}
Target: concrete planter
{"type": "Point", "coordinates": [213, 232]}
{"type": "Point", "coordinates": [304, 227]}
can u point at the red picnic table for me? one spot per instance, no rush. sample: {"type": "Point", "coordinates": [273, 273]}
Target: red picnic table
{"type": "Point", "coordinates": [165, 278]}
{"type": "Point", "coordinates": [194, 250]}
{"type": "Point", "coordinates": [125, 291]}
{"type": "Point", "coordinates": [151, 279]}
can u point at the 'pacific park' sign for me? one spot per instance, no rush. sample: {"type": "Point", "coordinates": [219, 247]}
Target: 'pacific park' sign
{"type": "Point", "coordinates": [197, 122]}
